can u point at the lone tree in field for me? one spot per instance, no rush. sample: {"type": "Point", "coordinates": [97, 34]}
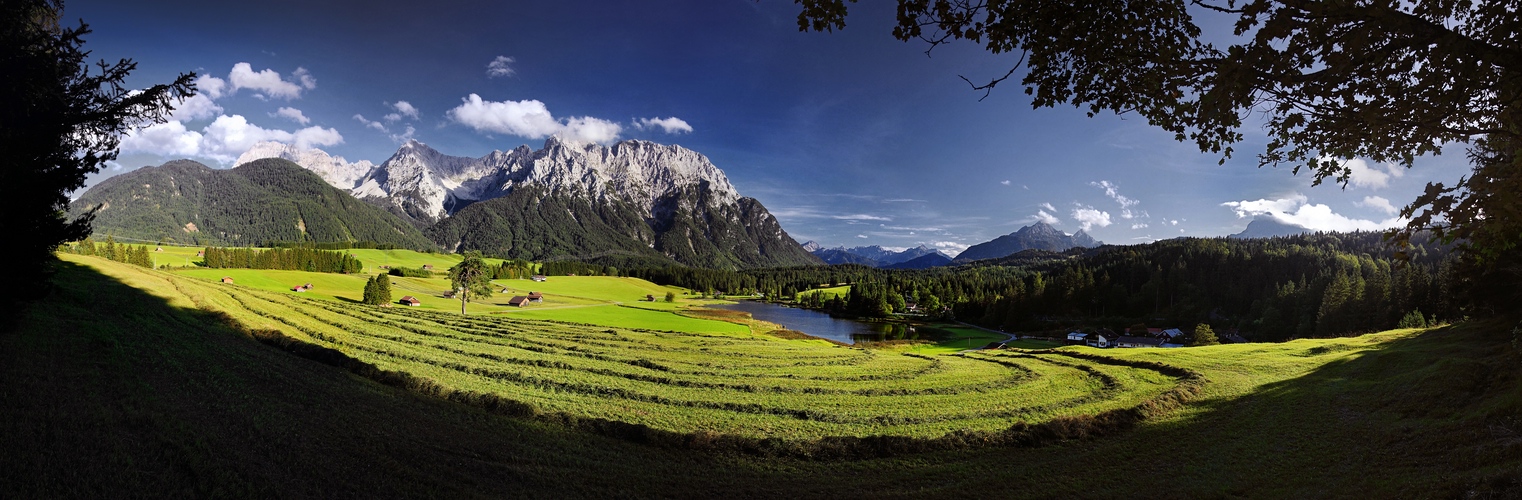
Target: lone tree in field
{"type": "Point", "coordinates": [1383, 80]}
{"type": "Point", "coordinates": [59, 122]}
{"type": "Point", "coordinates": [378, 290]}
{"type": "Point", "coordinates": [471, 279]}
{"type": "Point", "coordinates": [1203, 335]}
{"type": "Point", "coordinates": [670, 296]}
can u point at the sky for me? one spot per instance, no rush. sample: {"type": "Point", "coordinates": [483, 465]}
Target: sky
{"type": "Point", "coordinates": [850, 138]}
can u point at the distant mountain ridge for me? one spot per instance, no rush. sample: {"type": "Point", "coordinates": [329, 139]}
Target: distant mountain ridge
{"type": "Point", "coordinates": [874, 255]}
{"type": "Point", "coordinates": [1268, 227]}
{"type": "Point", "coordinates": [1038, 236]}
{"type": "Point", "coordinates": [657, 204]}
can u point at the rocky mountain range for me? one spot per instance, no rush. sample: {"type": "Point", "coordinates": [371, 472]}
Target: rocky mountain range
{"type": "Point", "coordinates": [651, 202]}
{"type": "Point", "coordinates": [1038, 236]}
{"type": "Point", "coordinates": [874, 255]}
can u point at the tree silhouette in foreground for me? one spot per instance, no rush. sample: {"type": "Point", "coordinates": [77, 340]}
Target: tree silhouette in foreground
{"type": "Point", "coordinates": [1386, 81]}
{"type": "Point", "coordinates": [59, 122]}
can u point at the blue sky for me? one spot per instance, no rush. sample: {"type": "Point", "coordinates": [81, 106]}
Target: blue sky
{"type": "Point", "coordinates": [850, 138]}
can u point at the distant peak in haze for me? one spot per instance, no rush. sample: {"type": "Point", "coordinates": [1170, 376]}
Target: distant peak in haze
{"type": "Point", "coordinates": [1038, 236]}
{"type": "Point", "coordinates": [1269, 227]}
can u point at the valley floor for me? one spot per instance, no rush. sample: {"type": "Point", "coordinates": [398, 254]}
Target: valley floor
{"type": "Point", "coordinates": [107, 390]}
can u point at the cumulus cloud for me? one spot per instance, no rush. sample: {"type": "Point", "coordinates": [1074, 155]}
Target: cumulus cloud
{"type": "Point", "coordinates": [862, 236]}
{"type": "Point", "coordinates": [223, 140]}
{"type": "Point", "coordinates": [1297, 210]}
{"type": "Point", "coordinates": [530, 119]}
{"type": "Point", "coordinates": [1088, 217]}
{"type": "Point", "coordinates": [268, 81]}
{"type": "Point", "coordinates": [165, 139]}
{"type": "Point", "coordinates": [1047, 218]}
{"type": "Point", "coordinates": [501, 66]}
{"type": "Point", "coordinates": [210, 86]}
{"type": "Point", "coordinates": [1125, 203]}
{"type": "Point", "coordinates": [371, 123]}
{"type": "Point", "coordinates": [1049, 206]}
{"type": "Point", "coordinates": [404, 136]}
{"type": "Point", "coordinates": [404, 108]}
{"type": "Point", "coordinates": [670, 125]}
{"type": "Point", "coordinates": [1378, 203]}
{"type": "Point", "coordinates": [196, 107]}
{"type": "Point", "coordinates": [1361, 174]}
{"type": "Point", "coordinates": [1139, 225]}
{"type": "Point", "coordinates": [1004, 182]}
{"type": "Point", "coordinates": [292, 114]}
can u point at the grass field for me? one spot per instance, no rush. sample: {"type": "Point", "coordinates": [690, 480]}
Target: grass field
{"type": "Point", "coordinates": [126, 382]}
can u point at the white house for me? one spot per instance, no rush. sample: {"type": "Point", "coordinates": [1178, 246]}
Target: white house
{"type": "Point", "coordinates": [1099, 340]}
{"type": "Point", "coordinates": [1077, 337]}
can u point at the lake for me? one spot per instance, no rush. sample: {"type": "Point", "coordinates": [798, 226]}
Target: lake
{"type": "Point", "coordinates": [822, 325]}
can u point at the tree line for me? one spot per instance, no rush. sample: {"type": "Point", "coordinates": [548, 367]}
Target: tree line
{"type": "Point", "coordinates": [289, 259]}
{"type": "Point", "coordinates": [131, 254]}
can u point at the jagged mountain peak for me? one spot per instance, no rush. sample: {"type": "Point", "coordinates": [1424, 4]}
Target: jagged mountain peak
{"type": "Point", "coordinates": [337, 171]}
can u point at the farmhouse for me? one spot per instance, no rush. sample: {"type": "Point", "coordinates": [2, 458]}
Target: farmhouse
{"type": "Point", "coordinates": [410, 300]}
{"type": "Point", "coordinates": [1100, 339]}
{"type": "Point", "coordinates": [227, 279]}
{"type": "Point", "coordinates": [518, 301]}
{"type": "Point", "coordinates": [539, 277]}
{"type": "Point", "coordinates": [1138, 342]}
{"type": "Point", "coordinates": [649, 298]}
{"type": "Point", "coordinates": [1076, 338]}
{"type": "Point", "coordinates": [1172, 333]}
{"type": "Point", "coordinates": [301, 288]}
{"type": "Point", "coordinates": [427, 267]}
{"type": "Point", "coordinates": [535, 297]}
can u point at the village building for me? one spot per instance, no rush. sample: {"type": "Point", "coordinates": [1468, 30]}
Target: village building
{"type": "Point", "coordinates": [1076, 338]}
{"type": "Point", "coordinates": [427, 267]}
{"type": "Point", "coordinates": [1100, 339]}
{"type": "Point", "coordinates": [539, 277]}
{"type": "Point", "coordinates": [227, 279]}
{"type": "Point", "coordinates": [518, 301]}
{"type": "Point", "coordinates": [1172, 334]}
{"type": "Point", "coordinates": [410, 300]}
{"type": "Point", "coordinates": [535, 297]}
{"type": "Point", "coordinates": [649, 298]}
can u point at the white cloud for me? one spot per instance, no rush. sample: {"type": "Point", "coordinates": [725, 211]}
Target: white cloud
{"type": "Point", "coordinates": [1378, 203]}
{"type": "Point", "coordinates": [1089, 217]}
{"type": "Point", "coordinates": [1361, 175]}
{"type": "Point", "coordinates": [1114, 193]}
{"type": "Point", "coordinates": [530, 119]}
{"type": "Point", "coordinates": [1297, 210]}
{"type": "Point", "coordinates": [1004, 182]}
{"type": "Point", "coordinates": [670, 125]}
{"type": "Point", "coordinates": [164, 139]}
{"type": "Point", "coordinates": [223, 140]}
{"type": "Point", "coordinates": [292, 114]}
{"type": "Point", "coordinates": [586, 128]}
{"type": "Point", "coordinates": [210, 86]}
{"type": "Point", "coordinates": [1173, 222]}
{"type": "Point", "coordinates": [372, 124]}
{"type": "Point", "coordinates": [305, 77]}
{"type": "Point", "coordinates": [196, 107]}
{"type": "Point", "coordinates": [1139, 225]}
{"type": "Point", "coordinates": [860, 217]}
{"type": "Point", "coordinates": [267, 81]}
{"type": "Point", "coordinates": [1047, 218]}
{"type": "Point", "coordinates": [862, 236]}
{"type": "Point", "coordinates": [404, 136]}
{"type": "Point", "coordinates": [404, 108]}
{"type": "Point", "coordinates": [1049, 206]}
{"type": "Point", "coordinates": [954, 247]}
{"type": "Point", "coordinates": [500, 67]}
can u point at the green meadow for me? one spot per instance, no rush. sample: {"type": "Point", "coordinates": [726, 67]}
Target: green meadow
{"type": "Point", "coordinates": [164, 371]}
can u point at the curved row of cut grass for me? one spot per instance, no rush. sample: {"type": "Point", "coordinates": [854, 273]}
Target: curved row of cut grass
{"type": "Point", "coordinates": [724, 383]}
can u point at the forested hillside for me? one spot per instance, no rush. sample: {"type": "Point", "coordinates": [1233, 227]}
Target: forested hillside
{"type": "Point", "coordinates": [687, 228]}
{"type": "Point", "coordinates": [263, 201]}
{"type": "Point", "coordinates": [1271, 289]}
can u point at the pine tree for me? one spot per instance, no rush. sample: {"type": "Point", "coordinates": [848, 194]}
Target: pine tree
{"type": "Point", "coordinates": [372, 295]}
{"type": "Point", "coordinates": [383, 288]}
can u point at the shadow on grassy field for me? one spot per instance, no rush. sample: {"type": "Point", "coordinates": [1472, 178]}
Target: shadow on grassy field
{"type": "Point", "coordinates": [106, 391]}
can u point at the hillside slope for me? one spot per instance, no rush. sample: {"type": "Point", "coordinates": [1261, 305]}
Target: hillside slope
{"type": "Point", "coordinates": [119, 367]}
{"type": "Point", "coordinates": [266, 200]}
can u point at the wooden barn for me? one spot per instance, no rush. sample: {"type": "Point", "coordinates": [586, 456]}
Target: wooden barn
{"type": "Point", "coordinates": [227, 279]}
{"type": "Point", "coordinates": [410, 300]}
{"type": "Point", "coordinates": [518, 301]}
{"type": "Point", "coordinates": [535, 297]}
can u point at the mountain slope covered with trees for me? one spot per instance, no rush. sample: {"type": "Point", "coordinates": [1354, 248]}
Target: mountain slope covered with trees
{"type": "Point", "coordinates": [257, 203]}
